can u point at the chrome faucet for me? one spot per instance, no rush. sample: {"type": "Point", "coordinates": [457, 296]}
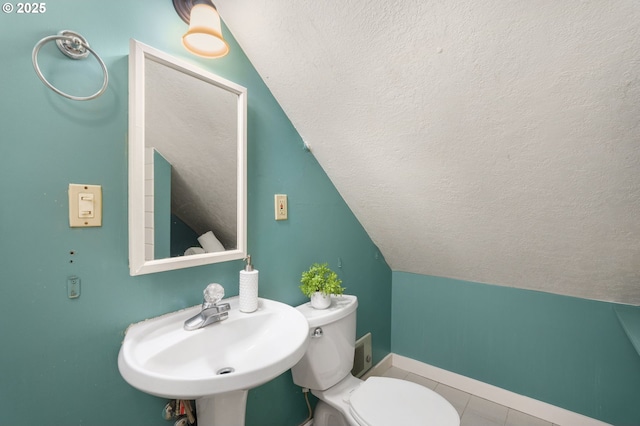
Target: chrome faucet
{"type": "Point", "coordinates": [212, 311]}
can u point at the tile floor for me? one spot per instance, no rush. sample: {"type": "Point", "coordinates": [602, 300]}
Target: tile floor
{"type": "Point", "coordinates": [473, 411]}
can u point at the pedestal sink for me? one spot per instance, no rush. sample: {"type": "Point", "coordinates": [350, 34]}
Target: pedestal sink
{"type": "Point", "coordinates": [215, 365]}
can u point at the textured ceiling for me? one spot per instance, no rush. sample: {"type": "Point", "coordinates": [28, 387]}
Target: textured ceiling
{"type": "Point", "coordinates": [488, 141]}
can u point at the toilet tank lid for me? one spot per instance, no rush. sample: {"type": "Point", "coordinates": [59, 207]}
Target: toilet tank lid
{"type": "Point", "coordinates": [340, 307]}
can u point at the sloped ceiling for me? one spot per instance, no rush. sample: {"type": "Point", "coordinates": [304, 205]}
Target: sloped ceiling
{"type": "Point", "coordinates": [489, 141]}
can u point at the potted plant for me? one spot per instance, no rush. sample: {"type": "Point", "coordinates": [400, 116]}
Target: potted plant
{"type": "Point", "coordinates": [318, 283]}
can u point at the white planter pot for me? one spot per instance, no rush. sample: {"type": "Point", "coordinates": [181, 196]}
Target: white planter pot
{"type": "Point", "coordinates": [320, 300]}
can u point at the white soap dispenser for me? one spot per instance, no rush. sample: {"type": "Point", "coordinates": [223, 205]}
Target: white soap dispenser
{"type": "Point", "coordinates": [248, 288]}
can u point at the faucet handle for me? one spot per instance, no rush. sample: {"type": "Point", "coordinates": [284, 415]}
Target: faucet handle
{"type": "Point", "coordinates": [213, 293]}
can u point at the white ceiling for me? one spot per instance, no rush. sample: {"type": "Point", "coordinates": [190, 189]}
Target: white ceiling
{"type": "Point", "coordinates": [482, 140]}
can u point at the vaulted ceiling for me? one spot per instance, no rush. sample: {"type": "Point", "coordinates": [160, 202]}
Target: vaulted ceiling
{"type": "Point", "coordinates": [489, 141]}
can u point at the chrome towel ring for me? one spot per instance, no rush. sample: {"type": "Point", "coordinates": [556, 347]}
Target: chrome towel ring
{"type": "Point", "coordinates": [74, 46]}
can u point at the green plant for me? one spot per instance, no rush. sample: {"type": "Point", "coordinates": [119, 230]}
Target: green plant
{"type": "Point", "coordinates": [320, 278]}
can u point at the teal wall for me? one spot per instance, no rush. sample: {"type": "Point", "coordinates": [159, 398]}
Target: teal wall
{"type": "Point", "coordinates": [58, 356]}
{"type": "Point", "coordinates": [568, 352]}
{"type": "Point", "coordinates": [161, 206]}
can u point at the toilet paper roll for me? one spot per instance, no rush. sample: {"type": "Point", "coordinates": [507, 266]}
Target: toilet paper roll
{"type": "Point", "coordinates": [210, 243]}
{"type": "Point", "coordinates": [194, 250]}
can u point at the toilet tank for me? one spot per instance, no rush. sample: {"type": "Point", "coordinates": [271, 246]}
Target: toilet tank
{"type": "Point", "coordinates": [329, 357]}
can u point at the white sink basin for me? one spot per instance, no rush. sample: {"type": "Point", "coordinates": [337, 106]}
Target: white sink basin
{"type": "Point", "coordinates": [241, 352]}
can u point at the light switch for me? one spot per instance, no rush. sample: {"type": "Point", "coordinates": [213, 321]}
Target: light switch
{"type": "Point", "coordinates": [85, 205]}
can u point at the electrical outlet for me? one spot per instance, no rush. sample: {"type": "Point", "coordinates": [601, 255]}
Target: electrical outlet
{"type": "Point", "coordinates": [280, 202]}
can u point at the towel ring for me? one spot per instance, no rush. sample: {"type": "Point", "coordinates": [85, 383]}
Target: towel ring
{"type": "Point", "coordinates": [74, 46]}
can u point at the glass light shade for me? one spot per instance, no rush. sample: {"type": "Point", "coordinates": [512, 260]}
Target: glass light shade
{"type": "Point", "coordinates": [204, 37]}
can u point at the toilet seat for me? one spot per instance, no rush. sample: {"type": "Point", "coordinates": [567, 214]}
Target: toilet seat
{"type": "Point", "coordinates": [383, 401]}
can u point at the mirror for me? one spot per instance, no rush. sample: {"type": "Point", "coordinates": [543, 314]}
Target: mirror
{"type": "Point", "coordinates": [187, 164]}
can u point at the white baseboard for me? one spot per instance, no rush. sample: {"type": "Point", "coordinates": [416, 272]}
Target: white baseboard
{"type": "Point", "coordinates": [542, 410]}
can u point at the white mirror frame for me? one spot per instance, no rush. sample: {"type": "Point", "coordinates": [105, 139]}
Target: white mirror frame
{"type": "Point", "coordinates": [138, 52]}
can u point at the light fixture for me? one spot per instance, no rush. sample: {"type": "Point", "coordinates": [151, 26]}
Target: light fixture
{"type": "Point", "coordinates": [204, 36]}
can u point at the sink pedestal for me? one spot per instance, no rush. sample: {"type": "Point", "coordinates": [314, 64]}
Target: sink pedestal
{"type": "Point", "coordinates": [225, 409]}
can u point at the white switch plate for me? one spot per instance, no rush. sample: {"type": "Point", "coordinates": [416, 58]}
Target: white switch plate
{"type": "Point", "coordinates": [85, 205]}
{"type": "Point", "coordinates": [280, 204]}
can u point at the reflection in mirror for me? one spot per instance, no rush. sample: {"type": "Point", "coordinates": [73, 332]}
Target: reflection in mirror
{"type": "Point", "coordinates": [195, 139]}
{"type": "Point", "coordinates": [187, 164]}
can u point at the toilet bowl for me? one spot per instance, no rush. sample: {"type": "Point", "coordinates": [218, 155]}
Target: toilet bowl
{"type": "Point", "coordinates": [325, 369]}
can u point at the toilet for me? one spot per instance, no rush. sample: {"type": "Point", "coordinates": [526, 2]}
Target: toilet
{"type": "Point", "coordinates": [345, 400]}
